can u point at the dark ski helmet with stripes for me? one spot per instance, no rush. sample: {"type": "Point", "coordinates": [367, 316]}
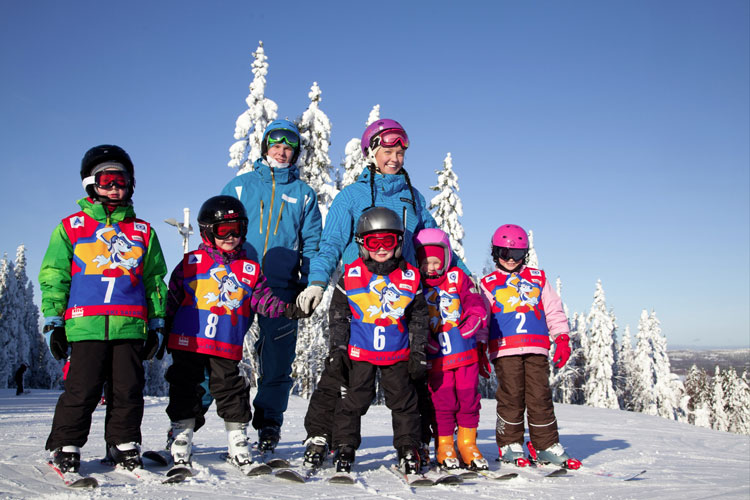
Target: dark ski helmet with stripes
{"type": "Point", "coordinates": [101, 158]}
{"type": "Point", "coordinates": [217, 209]}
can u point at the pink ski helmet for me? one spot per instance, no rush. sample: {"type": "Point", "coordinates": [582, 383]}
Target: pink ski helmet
{"type": "Point", "coordinates": [378, 128]}
{"type": "Point", "coordinates": [510, 236]}
{"type": "Point", "coordinates": [438, 238]}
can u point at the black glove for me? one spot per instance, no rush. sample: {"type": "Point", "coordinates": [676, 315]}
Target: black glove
{"type": "Point", "coordinates": [57, 341]}
{"type": "Point", "coordinates": [293, 312]}
{"type": "Point", "coordinates": [154, 344]}
{"type": "Point", "coordinates": [339, 365]}
{"type": "Point", "coordinates": [417, 365]}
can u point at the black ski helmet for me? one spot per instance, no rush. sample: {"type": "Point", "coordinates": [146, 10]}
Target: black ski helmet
{"type": "Point", "coordinates": [217, 209]}
{"type": "Point", "coordinates": [101, 154]}
{"type": "Point", "coordinates": [378, 219]}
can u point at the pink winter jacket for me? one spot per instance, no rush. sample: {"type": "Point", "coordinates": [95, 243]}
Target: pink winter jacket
{"type": "Point", "coordinates": [557, 322]}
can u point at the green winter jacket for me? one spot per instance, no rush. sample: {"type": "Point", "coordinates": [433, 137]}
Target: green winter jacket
{"type": "Point", "coordinates": [55, 278]}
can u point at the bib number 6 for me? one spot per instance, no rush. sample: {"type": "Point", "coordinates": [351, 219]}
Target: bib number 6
{"type": "Point", "coordinates": [378, 340]}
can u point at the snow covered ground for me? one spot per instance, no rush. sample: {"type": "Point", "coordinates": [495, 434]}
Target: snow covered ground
{"type": "Point", "coordinates": [683, 462]}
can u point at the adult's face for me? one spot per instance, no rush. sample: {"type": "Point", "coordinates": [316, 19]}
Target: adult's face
{"type": "Point", "coordinates": [281, 153]}
{"type": "Point", "coordinates": [390, 160]}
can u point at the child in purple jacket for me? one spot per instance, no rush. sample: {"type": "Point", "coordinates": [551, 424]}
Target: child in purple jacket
{"type": "Point", "coordinates": [458, 335]}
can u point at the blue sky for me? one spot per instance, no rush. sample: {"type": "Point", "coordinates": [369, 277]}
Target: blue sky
{"type": "Point", "coordinates": [617, 131]}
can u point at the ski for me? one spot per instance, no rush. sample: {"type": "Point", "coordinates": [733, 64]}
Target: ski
{"type": "Point", "coordinates": [252, 469]}
{"type": "Point", "coordinates": [494, 476]}
{"type": "Point", "coordinates": [423, 480]}
{"type": "Point", "coordinates": [163, 458]}
{"type": "Point", "coordinates": [342, 478]}
{"type": "Point", "coordinates": [296, 474]}
{"type": "Point", "coordinates": [74, 479]}
{"type": "Point", "coordinates": [622, 476]}
{"type": "Point", "coordinates": [177, 474]}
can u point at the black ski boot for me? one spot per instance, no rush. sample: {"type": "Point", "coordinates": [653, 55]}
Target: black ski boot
{"type": "Point", "coordinates": [344, 458]}
{"type": "Point", "coordinates": [268, 438]}
{"type": "Point", "coordinates": [66, 461]}
{"type": "Point", "coordinates": [126, 455]}
{"type": "Point", "coordinates": [316, 450]}
{"type": "Point", "coordinates": [408, 460]}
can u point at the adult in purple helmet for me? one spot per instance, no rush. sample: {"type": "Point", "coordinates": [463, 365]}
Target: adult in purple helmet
{"type": "Point", "coordinates": [384, 182]}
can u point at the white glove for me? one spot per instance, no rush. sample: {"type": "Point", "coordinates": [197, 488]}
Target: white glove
{"type": "Point", "coordinates": [309, 299]}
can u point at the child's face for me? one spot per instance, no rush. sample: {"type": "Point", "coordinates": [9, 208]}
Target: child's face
{"type": "Point", "coordinates": [430, 266]}
{"type": "Point", "coordinates": [228, 244]}
{"type": "Point", "coordinates": [381, 254]}
{"type": "Point", "coordinates": [111, 192]}
{"type": "Point", "coordinates": [509, 264]}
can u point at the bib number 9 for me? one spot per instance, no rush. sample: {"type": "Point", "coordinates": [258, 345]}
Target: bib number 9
{"type": "Point", "coordinates": [445, 343]}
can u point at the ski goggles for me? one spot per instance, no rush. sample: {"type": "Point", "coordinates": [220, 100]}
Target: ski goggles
{"type": "Point", "coordinates": [393, 137]}
{"type": "Point", "coordinates": [516, 254]}
{"type": "Point", "coordinates": [224, 230]}
{"type": "Point", "coordinates": [375, 241]}
{"type": "Point", "coordinates": [108, 179]}
{"type": "Point", "coordinates": [283, 136]}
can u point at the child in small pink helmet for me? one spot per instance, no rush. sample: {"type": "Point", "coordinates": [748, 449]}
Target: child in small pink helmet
{"type": "Point", "coordinates": [457, 336]}
{"type": "Point", "coordinates": [525, 314]}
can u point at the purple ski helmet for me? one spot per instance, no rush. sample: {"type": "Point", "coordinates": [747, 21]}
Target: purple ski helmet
{"type": "Point", "coordinates": [438, 238]}
{"type": "Point", "coordinates": [377, 128]}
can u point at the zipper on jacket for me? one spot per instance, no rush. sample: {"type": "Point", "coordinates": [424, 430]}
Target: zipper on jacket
{"type": "Point", "coordinates": [260, 229]}
{"type": "Point", "coordinates": [281, 210]}
{"type": "Point", "coordinates": [106, 327]}
{"type": "Point", "coordinates": [404, 217]}
{"type": "Point", "coordinates": [270, 213]}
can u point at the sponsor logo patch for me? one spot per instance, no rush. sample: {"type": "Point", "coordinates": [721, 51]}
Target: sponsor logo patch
{"type": "Point", "coordinates": [354, 352]}
{"type": "Point", "coordinates": [288, 199]}
{"type": "Point", "coordinates": [76, 222]}
{"type": "Point", "coordinates": [489, 278]}
{"type": "Point", "coordinates": [194, 258]}
{"type": "Point", "coordinates": [453, 276]}
{"type": "Point", "coordinates": [183, 341]}
{"type": "Point", "coordinates": [77, 312]}
{"type": "Point", "coordinates": [248, 268]}
{"type": "Point", "coordinates": [408, 274]}
{"type": "Point", "coordinates": [354, 272]}
{"type": "Point", "coordinates": [140, 227]}
{"type": "Point", "coordinates": [535, 272]}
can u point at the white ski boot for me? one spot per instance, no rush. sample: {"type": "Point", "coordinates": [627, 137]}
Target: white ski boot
{"type": "Point", "coordinates": [182, 441]}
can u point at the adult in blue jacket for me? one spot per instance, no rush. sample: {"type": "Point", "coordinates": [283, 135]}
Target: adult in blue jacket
{"type": "Point", "coordinates": [283, 233]}
{"type": "Point", "coordinates": [383, 183]}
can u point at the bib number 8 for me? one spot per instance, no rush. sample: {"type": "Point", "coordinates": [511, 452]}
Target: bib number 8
{"type": "Point", "coordinates": [212, 321]}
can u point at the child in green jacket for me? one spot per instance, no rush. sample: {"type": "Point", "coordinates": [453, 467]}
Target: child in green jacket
{"type": "Point", "coordinates": [103, 293]}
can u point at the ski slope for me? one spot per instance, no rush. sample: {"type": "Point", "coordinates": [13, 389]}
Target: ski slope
{"type": "Point", "coordinates": [683, 462]}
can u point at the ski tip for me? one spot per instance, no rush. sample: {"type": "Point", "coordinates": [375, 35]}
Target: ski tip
{"type": "Point", "coordinates": [84, 482]}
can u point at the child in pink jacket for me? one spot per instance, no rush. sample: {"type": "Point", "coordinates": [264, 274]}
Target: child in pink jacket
{"type": "Point", "coordinates": [525, 313]}
{"type": "Point", "coordinates": [458, 335]}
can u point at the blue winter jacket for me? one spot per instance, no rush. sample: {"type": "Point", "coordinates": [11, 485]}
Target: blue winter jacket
{"type": "Point", "coordinates": [284, 223]}
{"type": "Point", "coordinates": [337, 242]}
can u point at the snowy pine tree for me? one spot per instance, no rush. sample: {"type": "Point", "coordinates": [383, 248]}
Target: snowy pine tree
{"type": "Point", "coordinates": [567, 382]}
{"type": "Point", "coordinates": [737, 401]}
{"type": "Point", "coordinates": [313, 162]}
{"type": "Point", "coordinates": [10, 326]}
{"type": "Point", "coordinates": [625, 370]}
{"type": "Point", "coordinates": [698, 389]}
{"type": "Point", "coordinates": [532, 260]}
{"type": "Point", "coordinates": [354, 161]}
{"type": "Point", "coordinates": [447, 206]}
{"type": "Point", "coordinates": [598, 389]}
{"type": "Point", "coordinates": [719, 417]}
{"type": "Point", "coordinates": [251, 124]}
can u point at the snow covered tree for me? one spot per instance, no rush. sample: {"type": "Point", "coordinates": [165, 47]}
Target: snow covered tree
{"type": "Point", "coordinates": [698, 389]}
{"type": "Point", "coordinates": [313, 162]}
{"type": "Point", "coordinates": [354, 161]}
{"type": "Point", "coordinates": [249, 127]}
{"type": "Point", "coordinates": [719, 417]}
{"type": "Point", "coordinates": [625, 369]}
{"type": "Point", "coordinates": [532, 260]}
{"type": "Point", "coordinates": [9, 322]}
{"type": "Point", "coordinates": [737, 401]}
{"type": "Point", "coordinates": [567, 382]}
{"type": "Point", "coordinates": [447, 206]}
{"type": "Point", "coordinates": [598, 388]}
{"type": "Point", "coordinates": [656, 390]}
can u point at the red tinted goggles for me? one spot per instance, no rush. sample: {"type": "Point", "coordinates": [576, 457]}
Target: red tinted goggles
{"type": "Point", "coordinates": [108, 179]}
{"type": "Point", "coordinates": [224, 230]}
{"type": "Point", "coordinates": [393, 137]}
{"type": "Point", "coordinates": [374, 241]}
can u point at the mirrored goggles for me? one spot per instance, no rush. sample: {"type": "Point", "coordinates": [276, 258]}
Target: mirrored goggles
{"type": "Point", "coordinates": [224, 230]}
{"type": "Point", "coordinates": [108, 179]}
{"type": "Point", "coordinates": [283, 136]}
{"type": "Point", "coordinates": [516, 254]}
{"type": "Point", "coordinates": [393, 137]}
{"type": "Point", "coordinates": [374, 241]}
